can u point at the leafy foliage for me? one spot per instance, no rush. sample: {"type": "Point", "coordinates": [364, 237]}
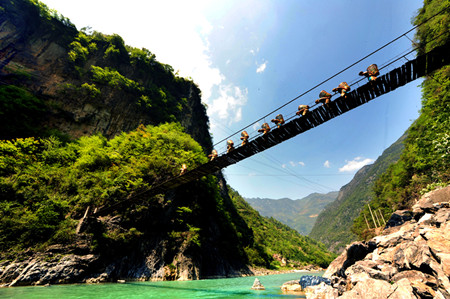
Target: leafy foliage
{"type": "Point", "coordinates": [153, 85]}
{"type": "Point", "coordinates": [42, 181]}
{"type": "Point", "coordinates": [424, 163]}
{"type": "Point", "coordinates": [113, 78]}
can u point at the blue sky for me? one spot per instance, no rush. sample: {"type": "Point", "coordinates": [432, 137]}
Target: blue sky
{"type": "Point", "coordinates": [250, 57]}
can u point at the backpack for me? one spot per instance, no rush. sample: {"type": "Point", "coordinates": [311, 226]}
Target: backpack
{"type": "Point", "coordinates": [324, 94]}
{"type": "Point", "coordinates": [372, 70]}
{"type": "Point", "coordinates": [344, 85]}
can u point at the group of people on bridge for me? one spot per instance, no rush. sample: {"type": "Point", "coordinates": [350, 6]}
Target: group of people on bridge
{"type": "Point", "coordinates": [324, 97]}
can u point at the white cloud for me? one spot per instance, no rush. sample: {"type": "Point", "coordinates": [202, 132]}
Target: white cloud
{"type": "Point", "coordinates": [292, 163]}
{"type": "Point", "coordinates": [262, 67]}
{"type": "Point", "coordinates": [228, 105]}
{"type": "Point", "coordinates": [355, 164]}
{"type": "Point", "coordinates": [283, 165]}
{"type": "Point", "coordinates": [254, 52]}
{"type": "Point", "coordinates": [256, 126]}
{"type": "Point", "coordinates": [301, 163]}
{"type": "Point", "coordinates": [327, 164]}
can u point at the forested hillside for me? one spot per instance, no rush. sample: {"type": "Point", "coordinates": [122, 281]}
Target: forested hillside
{"type": "Point", "coordinates": [300, 214]}
{"type": "Point", "coordinates": [87, 121]}
{"type": "Point", "coordinates": [425, 162]}
{"type": "Point", "coordinates": [274, 238]}
{"type": "Point", "coordinates": [333, 226]}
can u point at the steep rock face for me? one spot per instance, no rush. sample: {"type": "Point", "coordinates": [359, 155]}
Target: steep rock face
{"type": "Point", "coordinates": [410, 260]}
{"type": "Point", "coordinates": [42, 65]}
{"type": "Point", "coordinates": [333, 225]}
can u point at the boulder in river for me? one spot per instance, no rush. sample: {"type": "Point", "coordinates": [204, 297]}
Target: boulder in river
{"type": "Point", "coordinates": [257, 285]}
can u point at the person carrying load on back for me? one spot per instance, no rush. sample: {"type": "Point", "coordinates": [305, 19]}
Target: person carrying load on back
{"type": "Point", "coordinates": [278, 120]}
{"type": "Point", "coordinates": [230, 145]}
{"type": "Point", "coordinates": [302, 109]}
{"type": "Point", "coordinates": [213, 155]}
{"type": "Point", "coordinates": [324, 98]}
{"type": "Point", "coordinates": [265, 128]}
{"type": "Point", "coordinates": [343, 88]}
{"type": "Point", "coordinates": [244, 138]}
{"type": "Point", "coordinates": [371, 73]}
{"type": "Point", "coordinates": [183, 169]}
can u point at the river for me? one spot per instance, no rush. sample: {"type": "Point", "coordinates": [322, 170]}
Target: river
{"type": "Point", "coordinates": [209, 288]}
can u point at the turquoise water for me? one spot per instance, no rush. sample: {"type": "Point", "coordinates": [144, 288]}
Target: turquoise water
{"type": "Point", "coordinates": [210, 288]}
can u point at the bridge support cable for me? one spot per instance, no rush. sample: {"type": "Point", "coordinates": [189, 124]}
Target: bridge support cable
{"type": "Point", "coordinates": [422, 65]}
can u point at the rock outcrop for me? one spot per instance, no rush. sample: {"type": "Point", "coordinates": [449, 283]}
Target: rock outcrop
{"type": "Point", "coordinates": [302, 285]}
{"type": "Point", "coordinates": [410, 259]}
{"type": "Point", "coordinates": [257, 285]}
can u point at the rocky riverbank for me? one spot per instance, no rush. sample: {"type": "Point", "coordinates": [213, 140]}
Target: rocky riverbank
{"type": "Point", "coordinates": [409, 259]}
{"type": "Point", "coordinates": [262, 271]}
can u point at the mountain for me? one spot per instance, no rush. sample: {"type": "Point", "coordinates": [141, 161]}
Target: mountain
{"type": "Point", "coordinates": [90, 124]}
{"type": "Point", "coordinates": [334, 223]}
{"type": "Point", "coordinates": [299, 214]}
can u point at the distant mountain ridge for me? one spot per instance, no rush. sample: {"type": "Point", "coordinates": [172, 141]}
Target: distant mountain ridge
{"type": "Point", "coordinates": [299, 214]}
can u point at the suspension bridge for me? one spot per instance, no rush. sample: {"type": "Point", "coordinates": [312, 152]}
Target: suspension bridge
{"type": "Point", "coordinates": [423, 65]}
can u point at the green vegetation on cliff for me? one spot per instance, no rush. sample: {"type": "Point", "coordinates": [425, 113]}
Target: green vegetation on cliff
{"type": "Point", "coordinates": [73, 69]}
{"type": "Point", "coordinates": [45, 184]}
{"type": "Point", "coordinates": [425, 161]}
{"type": "Point", "coordinates": [275, 239]}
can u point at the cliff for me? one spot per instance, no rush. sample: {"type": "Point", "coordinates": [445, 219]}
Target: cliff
{"type": "Point", "coordinates": [88, 82]}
